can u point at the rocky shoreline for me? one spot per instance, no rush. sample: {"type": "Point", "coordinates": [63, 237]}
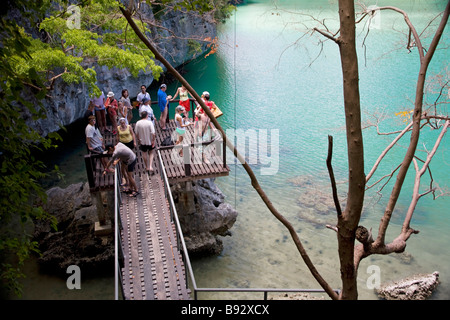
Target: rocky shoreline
{"type": "Point", "coordinates": [75, 242]}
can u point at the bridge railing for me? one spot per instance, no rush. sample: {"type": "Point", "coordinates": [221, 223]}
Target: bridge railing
{"type": "Point", "coordinates": [187, 262]}
{"type": "Point", "coordinates": [181, 245]}
{"type": "Point", "coordinates": [118, 254]}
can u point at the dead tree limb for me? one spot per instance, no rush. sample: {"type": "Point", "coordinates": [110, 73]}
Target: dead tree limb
{"type": "Point", "coordinates": [417, 113]}
{"type": "Point", "coordinates": [332, 179]}
{"type": "Point", "coordinates": [416, 195]}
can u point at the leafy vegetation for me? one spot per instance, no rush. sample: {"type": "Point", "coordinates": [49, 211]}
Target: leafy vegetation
{"type": "Point", "coordinates": [71, 45]}
{"type": "Point", "coordinates": [20, 172]}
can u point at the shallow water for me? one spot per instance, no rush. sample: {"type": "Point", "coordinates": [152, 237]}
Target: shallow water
{"type": "Point", "coordinates": [264, 80]}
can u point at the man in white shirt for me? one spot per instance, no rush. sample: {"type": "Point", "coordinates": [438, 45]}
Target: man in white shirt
{"type": "Point", "coordinates": [145, 135]}
{"type": "Point", "coordinates": [94, 140]}
{"type": "Point", "coordinates": [143, 94]}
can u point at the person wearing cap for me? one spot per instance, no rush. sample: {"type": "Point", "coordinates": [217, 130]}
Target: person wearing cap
{"type": "Point", "coordinates": [163, 103]}
{"type": "Point", "coordinates": [181, 124]}
{"type": "Point", "coordinates": [184, 98]}
{"type": "Point", "coordinates": [212, 106]}
{"type": "Point", "coordinates": [111, 106]}
{"type": "Point", "coordinates": [143, 94]}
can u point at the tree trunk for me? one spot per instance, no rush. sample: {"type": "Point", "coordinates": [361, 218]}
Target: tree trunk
{"type": "Point", "coordinates": [348, 221]}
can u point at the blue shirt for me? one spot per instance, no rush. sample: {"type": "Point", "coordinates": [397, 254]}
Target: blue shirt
{"type": "Point", "coordinates": [162, 100]}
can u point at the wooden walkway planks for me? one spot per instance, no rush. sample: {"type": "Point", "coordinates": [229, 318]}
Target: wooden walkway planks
{"type": "Point", "coordinates": [153, 267]}
{"type": "Point", "coordinates": [174, 163]}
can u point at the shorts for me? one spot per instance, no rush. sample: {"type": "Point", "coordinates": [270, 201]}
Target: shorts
{"type": "Point", "coordinates": [131, 166]}
{"type": "Point", "coordinates": [129, 144]}
{"type": "Point", "coordinates": [181, 131]}
{"type": "Point", "coordinates": [144, 147]}
{"type": "Point", "coordinates": [186, 104]}
{"type": "Point", "coordinates": [97, 150]}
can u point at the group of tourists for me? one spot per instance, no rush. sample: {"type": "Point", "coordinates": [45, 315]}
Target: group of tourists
{"type": "Point", "coordinates": [120, 113]}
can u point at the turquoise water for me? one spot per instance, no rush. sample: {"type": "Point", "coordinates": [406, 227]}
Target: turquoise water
{"type": "Point", "coordinates": [265, 76]}
{"type": "Point", "coordinates": [268, 76]}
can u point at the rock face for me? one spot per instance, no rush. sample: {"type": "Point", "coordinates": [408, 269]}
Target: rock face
{"type": "Point", "coordinates": [211, 218]}
{"type": "Point", "coordinates": [69, 102]}
{"type": "Point", "coordinates": [74, 242]}
{"type": "Point", "coordinates": [417, 287]}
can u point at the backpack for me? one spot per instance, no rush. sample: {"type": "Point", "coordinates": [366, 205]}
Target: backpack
{"type": "Point", "coordinates": [167, 141]}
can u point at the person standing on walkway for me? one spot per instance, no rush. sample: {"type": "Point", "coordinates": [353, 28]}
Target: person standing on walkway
{"type": "Point", "coordinates": [90, 112]}
{"type": "Point", "coordinates": [163, 103]}
{"type": "Point", "coordinates": [141, 95]}
{"type": "Point", "coordinates": [125, 98]}
{"type": "Point", "coordinates": [121, 152]}
{"type": "Point", "coordinates": [181, 124]}
{"type": "Point", "coordinates": [184, 98]}
{"type": "Point", "coordinates": [100, 111]}
{"type": "Point", "coordinates": [126, 134]}
{"type": "Point", "coordinates": [94, 140]}
{"type": "Point", "coordinates": [147, 107]}
{"type": "Point", "coordinates": [123, 111]}
{"type": "Point", "coordinates": [145, 135]}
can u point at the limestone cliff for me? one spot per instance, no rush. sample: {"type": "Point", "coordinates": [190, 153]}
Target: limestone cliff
{"type": "Point", "coordinates": [174, 38]}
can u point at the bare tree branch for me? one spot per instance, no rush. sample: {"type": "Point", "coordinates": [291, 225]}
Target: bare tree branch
{"type": "Point", "coordinates": [389, 147]}
{"type": "Point", "coordinates": [332, 179]}
{"type": "Point", "coordinates": [419, 174]}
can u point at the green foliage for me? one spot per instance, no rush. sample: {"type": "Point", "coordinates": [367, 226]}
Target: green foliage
{"type": "Point", "coordinates": [221, 9]}
{"type": "Point", "coordinates": [20, 172]}
{"type": "Point", "coordinates": [31, 66]}
{"type": "Point", "coordinates": [103, 38]}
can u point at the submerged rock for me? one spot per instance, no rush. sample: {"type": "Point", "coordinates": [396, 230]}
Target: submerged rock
{"type": "Point", "coordinates": [75, 243]}
{"type": "Point", "coordinates": [316, 201]}
{"type": "Point", "coordinates": [417, 287]}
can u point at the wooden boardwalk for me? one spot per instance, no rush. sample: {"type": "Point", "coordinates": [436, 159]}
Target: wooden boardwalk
{"type": "Point", "coordinates": [153, 267]}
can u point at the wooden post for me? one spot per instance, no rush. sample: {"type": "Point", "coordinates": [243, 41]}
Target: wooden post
{"type": "Point", "coordinates": [187, 159]}
{"type": "Point", "coordinates": [104, 226]}
{"type": "Point", "coordinates": [100, 209]}
{"type": "Point", "coordinates": [89, 171]}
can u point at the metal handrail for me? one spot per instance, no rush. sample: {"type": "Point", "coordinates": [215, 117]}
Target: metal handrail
{"type": "Point", "coordinates": [117, 240]}
{"type": "Point", "coordinates": [180, 237]}
{"type": "Point", "coordinates": [174, 216]}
